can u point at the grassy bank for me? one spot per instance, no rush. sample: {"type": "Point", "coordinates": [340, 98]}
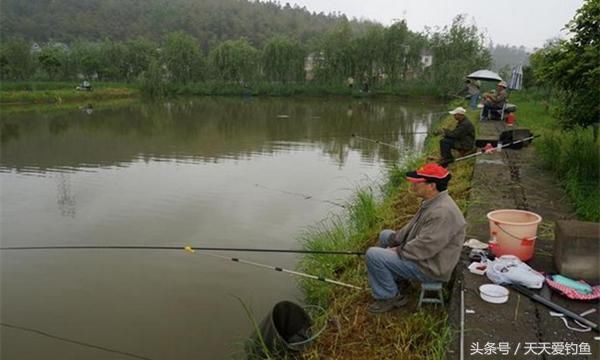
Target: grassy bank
{"type": "Point", "coordinates": [27, 93]}
{"type": "Point", "coordinates": [353, 332]}
{"type": "Point", "coordinates": [573, 155]}
{"type": "Point", "coordinates": [55, 92]}
{"type": "Point", "coordinates": [217, 88]}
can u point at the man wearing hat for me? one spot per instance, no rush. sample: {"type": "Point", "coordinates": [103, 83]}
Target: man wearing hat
{"type": "Point", "coordinates": [461, 138]}
{"type": "Point", "coordinates": [426, 249]}
{"type": "Point", "coordinates": [494, 101]}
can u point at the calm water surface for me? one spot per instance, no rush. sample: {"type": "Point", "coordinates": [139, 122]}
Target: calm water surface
{"type": "Point", "coordinates": [201, 172]}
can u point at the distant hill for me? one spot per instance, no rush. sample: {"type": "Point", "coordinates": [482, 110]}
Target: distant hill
{"type": "Point", "coordinates": [210, 21]}
{"type": "Point", "coordinates": [507, 56]}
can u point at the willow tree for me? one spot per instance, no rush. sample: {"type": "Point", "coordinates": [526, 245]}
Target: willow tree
{"type": "Point", "coordinates": [140, 52]}
{"type": "Point", "coordinates": [368, 54]}
{"type": "Point", "coordinates": [283, 60]}
{"type": "Point", "coordinates": [182, 57]}
{"type": "Point", "coordinates": [112, 60]}
{"type": "Point", "coordinates": [85, 58]}
{"type": "Point", "coordinates": [396, 50]}
{"type": "Point", "coordinates": [334, 60]}
{"type": "Point", "coordinates": [235, 60]}
{"type": "Point", "coordinates": [457, 51]}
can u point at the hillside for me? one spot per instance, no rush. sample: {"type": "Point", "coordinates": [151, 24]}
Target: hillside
{"type": "Point", "coordinates": [209, 21]}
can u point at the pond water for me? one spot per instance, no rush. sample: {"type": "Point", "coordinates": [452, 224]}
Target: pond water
{"type": "Point", "coordinates": [223, 172]}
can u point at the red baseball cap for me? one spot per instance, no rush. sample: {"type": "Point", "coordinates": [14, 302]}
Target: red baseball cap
{"type": "Point", "coordinates": [428, 172]}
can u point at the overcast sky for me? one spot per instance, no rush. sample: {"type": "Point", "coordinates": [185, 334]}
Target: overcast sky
{"type": "Point", "coordinates": [515, 22]}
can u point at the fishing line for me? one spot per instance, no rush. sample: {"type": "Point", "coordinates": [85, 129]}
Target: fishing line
{"type": "Point", "coordinates": [276, 268]}
{"type": "Point", "coordinates": [378, 142]}
{"type": "Point", "coordinates": [88, 345]}
{"type": "Point", "coordinates": [305, 196]}
{"type": "Point", "coordinates": [394, 133]}
{"type": "Point", "coordinates": [199, 248]}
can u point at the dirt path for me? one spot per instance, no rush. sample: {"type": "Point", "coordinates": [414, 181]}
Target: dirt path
{"type": "Point", "coordinates": [520, 328]}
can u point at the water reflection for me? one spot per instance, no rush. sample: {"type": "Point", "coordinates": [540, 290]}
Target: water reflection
{"type": "Point", "coordinates": [207, 130]}
{"type": "Point", "coordinates": [201, 172]}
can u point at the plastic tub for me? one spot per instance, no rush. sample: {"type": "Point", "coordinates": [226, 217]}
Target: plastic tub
{"type": "Point", "coordinates": [513, 232]}
{"type": "Point", "coordinates": [494, 294]}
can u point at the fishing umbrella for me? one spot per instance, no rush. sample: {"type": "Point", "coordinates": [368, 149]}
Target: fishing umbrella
{"type": "Point", "coordinates": [484, 75]}
{"type": "Point", "coordinates": [516, 78]}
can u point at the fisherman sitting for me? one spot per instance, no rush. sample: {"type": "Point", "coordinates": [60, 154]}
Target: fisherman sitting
{"type": "Point", "coordinates": [84, 86]}
{"type": "Point", "coordinates": [426, 249]}
{"type": "Point", "coordinates": [494, 101]}
{"type": "Point", "coordinates": [462, 138]}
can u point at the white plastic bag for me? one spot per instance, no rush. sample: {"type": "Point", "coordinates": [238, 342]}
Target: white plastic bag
{"type": "Point", "coordinates": [508, 269]}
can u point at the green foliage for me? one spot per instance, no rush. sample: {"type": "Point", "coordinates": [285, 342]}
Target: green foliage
{"type": "Point", "coordinates": [15, 60]}
{"type": "Point", "coordinates": [283, 60]}
{"type": "Point", "coordinates": [334, 60]}
{"type": "Point", "coordinates": [349, 232]}
{"type": "Point", "coordinates": [368, 51]}
{"type": "Point", "coordinates": [388, 59]}
{"type": "Point", "coordinates": [181, 55]}
{"type": "Point", "coordinates": [572, 69]}
{"type": "Point", "coordinates": [112, 60]}
{"type": "Point", "coordinates": [457, 51]}
{"type": "Point", "coordinates": [235, 61]}
{"type": "Point", "coordinates": [140, 52]}
{"type": "Point", "coordinates": [573, 155]}
{"type": "Point", "coordinates": [51, 61]}
{"type": "Point", "coordinates": [395, 51]}
{"type": "Point", "coordinates": [86, 58]}
{"type": "Point", "coordinates": [153, 82]}
{"type": "Point", "coordinates": [209, 21]}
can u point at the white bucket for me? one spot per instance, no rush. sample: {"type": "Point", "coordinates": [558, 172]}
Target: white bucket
{"type": "Point", "coordinates": [513, 232]}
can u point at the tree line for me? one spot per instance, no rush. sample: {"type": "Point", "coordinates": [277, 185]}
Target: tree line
{"type": "Point", "coordinates": [209, 21]}
{"type": "Point", "coordinates": [571, 69]}
{"type": "Point", "coordinates": [382, 56]}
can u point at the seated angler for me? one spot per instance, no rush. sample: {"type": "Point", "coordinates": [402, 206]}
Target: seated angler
{"type": "Point", "coordinates": [426, 249]}
{"type": "Point", "coordinates": [494, 102]}
{"type": "Point", "coordinates": [461, 138]}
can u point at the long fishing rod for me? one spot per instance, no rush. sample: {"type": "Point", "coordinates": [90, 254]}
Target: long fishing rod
{"type": "Point", "coordinates": [200, 248]}
{"type": "Point", "coordinates": [276, 268]}
{"type": "Point", "coordinates": [490, 150]}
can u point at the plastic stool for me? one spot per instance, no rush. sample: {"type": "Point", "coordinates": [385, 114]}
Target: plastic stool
{"type": "Point", "coordinates": [431, 287]}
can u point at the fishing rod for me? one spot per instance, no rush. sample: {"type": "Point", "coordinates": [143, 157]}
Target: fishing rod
{"type": "Point", "coordinates": [535, 297]}
{"type": "Point", "coordinates": [492, 149]}
{"type": "Point", "coordinates": [200, 248]}
{"type": "Point", "coordinates": [305, 196]}
{"type": "Point", "coordinates": [276, 268]}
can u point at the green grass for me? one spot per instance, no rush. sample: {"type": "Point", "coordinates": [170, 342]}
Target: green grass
{"type": "Point", "coordinates": [26, 93]}
{"type": "Point", "coordinates": [407, 333]}
{"type": "Point", "coordinates": [573, 155]}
